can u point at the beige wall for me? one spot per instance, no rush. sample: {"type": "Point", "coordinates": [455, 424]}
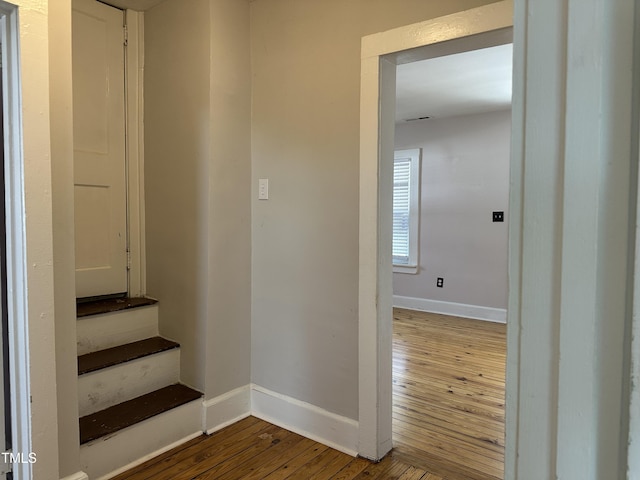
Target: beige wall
{"type": "Point", "coordinates": [177, 148]}
{"type": "Point", "coordinates": [229, 294]}
{"type": "Point", "coordinates": [305, 136]}
{"type": "Point", "coordinates": [197, 173]}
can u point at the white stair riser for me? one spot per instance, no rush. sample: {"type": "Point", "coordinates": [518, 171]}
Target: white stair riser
{"type": "Point", "coordinates": [98, 332]}
{"type": "Point", "coordinates": [109, 386]}
{"type": "Point", "coordinates": [108, 456]}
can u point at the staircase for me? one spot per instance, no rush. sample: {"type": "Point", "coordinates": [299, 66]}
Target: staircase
{"type": "Point", "coordinates": [131, 402]}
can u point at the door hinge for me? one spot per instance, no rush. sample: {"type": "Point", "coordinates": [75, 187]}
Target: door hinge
{"type": "Point", "coordinates": [126, 35]}
{"type": "Point", "coordinates": [128, 259]}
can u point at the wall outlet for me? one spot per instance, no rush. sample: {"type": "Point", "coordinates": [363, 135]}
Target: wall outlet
{"type": "Point", "coordinates": [440, 282]}
{"type": "Point", "coordinates": [498, 216]}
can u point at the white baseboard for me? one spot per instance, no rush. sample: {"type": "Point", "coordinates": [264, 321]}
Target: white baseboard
{"type": "Point", "coordinates": [226, 409]}
{"type": "Point", "coordinates": [305, 419]}
{"type": "Point", "coordinates": [498, 315]}
{"type": "Point", "coordinates": [77, 476]}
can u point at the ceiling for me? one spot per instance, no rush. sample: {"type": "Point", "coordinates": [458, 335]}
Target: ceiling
{"type": "Point", "coordinates": [462, 84]}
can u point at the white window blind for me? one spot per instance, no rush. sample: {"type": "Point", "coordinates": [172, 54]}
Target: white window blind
{"type": "Point", "coordinates": [406, 202]}
{"type": "Point", "coordinates": [401, 207]}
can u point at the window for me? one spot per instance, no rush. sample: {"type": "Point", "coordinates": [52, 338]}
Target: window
{"type": "Point", "coordinates": [406, 210]}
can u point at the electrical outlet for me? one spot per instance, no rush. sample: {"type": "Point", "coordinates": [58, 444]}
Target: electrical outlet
{"type": "Point", "coordinates": [440, 282]}
{"type": "Point", "coordinates": [498, 216]}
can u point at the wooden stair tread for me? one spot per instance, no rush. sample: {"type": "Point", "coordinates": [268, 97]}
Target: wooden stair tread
{"type": "Point", "coordinates": [91, 362]}
{"type": "Point", "coordinates": [126, 414]}
{"type": "Point", "coordinates": [96, 307]}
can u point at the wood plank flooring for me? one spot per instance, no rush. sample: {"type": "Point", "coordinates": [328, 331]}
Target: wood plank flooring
{"type": "Point", "coordinates": [252, 449]}
{"type": "Point", "coordinates": [448, 419]}
{"type": "Point", "coordinates": [448, 394]}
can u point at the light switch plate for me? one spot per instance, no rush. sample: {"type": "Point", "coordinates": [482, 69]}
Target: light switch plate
{"type": "Point", "coordinates": [263, 189]}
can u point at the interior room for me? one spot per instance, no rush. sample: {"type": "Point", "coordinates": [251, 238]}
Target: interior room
{"type": "Point", "coordinates": [219, 162]}
{"type": "Point", "coordinates": [454, 111]}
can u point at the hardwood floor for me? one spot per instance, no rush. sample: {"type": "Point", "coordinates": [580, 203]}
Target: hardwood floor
{"type": "Point", "coordinates": [448, 419]}
{"type": "Point", "coordinates": [448, 394]}
{"type": "Point", "coordinates": [252, 449]}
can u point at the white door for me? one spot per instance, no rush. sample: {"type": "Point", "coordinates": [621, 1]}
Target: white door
{"type": "Point", "coordinates": [99, 149]}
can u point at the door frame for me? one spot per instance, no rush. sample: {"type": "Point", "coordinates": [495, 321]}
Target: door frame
{"type": "Point", "coordinates": [381, 53]}
{"type": "Point", "coordinates": [574, 296]}
{"type": "Point", "coordinates": [134, 151]}
{"type": "Point", "coordinates": [31, 369]}
{"type": "Point", "coordinates": [133, 25]}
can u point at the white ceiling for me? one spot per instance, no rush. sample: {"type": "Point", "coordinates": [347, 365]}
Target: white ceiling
{"type": "Point", "coordinates": [462, 84]}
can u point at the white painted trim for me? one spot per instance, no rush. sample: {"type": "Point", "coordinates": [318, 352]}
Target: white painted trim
{"type": "Point", "coordinates": [76, 476]}
{"type": "Point", "coordinates": [305, 419]}
{"type": "Point", "coordinates": [633, 440]}
{"type": "Point", "coordinates": [476, 312]}
{"type": "Point", "coordinates": [414, 155]}
{"type": "Point", "coordinates": [406, 269]}
{"type": "Point", "coordinates": [450, 27]}
{"type": "Point", "coordinates": [134, 65]}
{"type": "Point", "coordinates": [226, 409]}
{"type": "Point", "coordinates": [633, 407]}
{"type": "Point", "coordinates": [377, 98]}
{"type": "Point", "coordinates": [19, 364]}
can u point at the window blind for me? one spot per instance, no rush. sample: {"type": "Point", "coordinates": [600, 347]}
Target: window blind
{"type": "Point", "coordinates": [401, 210]}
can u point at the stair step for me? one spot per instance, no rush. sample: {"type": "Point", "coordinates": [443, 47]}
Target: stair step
{"type": "Point", "coordinates": [97, 307]}
{"type": "Point", "coordinates": [103, 388]}
{"type": "Point", "coordinates": [131, 412]}
{"type": "Point", "coordinates": [113, 454]}
{"type": "Point", "coordinates": [91, 362]}
{"type": "Point", "coordinates": [102, 331]}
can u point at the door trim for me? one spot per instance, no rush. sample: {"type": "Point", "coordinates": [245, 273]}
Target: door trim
{"type": "Point", "coordinates": [381, 53]}
{"type": "Point", "coordinates": [134, 148]}
{"type": "Point", "coordinates": [18, 278]}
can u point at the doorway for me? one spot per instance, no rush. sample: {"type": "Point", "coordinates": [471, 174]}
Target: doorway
{"type": "Point", "coordinates": [473, 29]}
{"type": "Point", "coordinates": [99, 149]}
{"type": "Point", "coordinates": [108, 160]}
{"type": "Point", "coordinates": [450, 291]}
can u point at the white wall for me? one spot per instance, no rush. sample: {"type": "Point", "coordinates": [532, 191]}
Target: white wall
{"type": "Point", "coordinates": [197, 177]}
{"type": "Point", "coordinates": [305, 137]}
{"type": "Point", "coordinates": [464, 178]}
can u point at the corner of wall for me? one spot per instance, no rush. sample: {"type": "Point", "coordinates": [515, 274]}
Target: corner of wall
{"type": "Point", "coordinates": [308, 420]}
{"type": "Point", "coordinates": [223, 410]}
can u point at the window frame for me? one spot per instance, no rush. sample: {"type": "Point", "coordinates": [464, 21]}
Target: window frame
{"type": "Point", "coordinates": [414, 155]}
